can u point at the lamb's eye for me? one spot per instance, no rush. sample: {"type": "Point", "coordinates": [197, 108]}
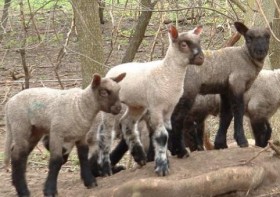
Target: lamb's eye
{"type": "Point", "coordinates": [103, 93]}
{"type": "Point", "coordinates": [184, 44]}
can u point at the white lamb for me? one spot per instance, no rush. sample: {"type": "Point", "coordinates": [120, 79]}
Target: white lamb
{"type": "Point", "coordinates": [154, 86]}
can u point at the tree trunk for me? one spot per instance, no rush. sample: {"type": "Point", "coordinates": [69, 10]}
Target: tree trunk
{"type": "Point", "coordinates": [275, 45]}
{"type": "Point", "coordinates": [4, 18]}
{"type": "Point", "coordinates": [90, 38]}
{"type": "Point", "coordinates": [139, 30]}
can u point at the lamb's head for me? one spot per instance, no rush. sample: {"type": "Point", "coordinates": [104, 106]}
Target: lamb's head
{"type": "Point", "coordinates": [185, 46]}
{"type": "Point", "coordinates": [257, 40]}
{"type": "Point", "coordinates": [106, 92]}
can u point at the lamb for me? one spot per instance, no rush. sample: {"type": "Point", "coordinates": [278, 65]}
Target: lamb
{"type": "Point", "coordinates": [147, 87]}
{"type": "Point", "coordinates": [66, 116]}
{"type": "Point", "coordinates": [229, 72]}
{"type": "Point", "coordinates": [261, 102]}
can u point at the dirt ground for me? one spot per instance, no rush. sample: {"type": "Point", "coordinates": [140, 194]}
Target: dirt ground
{"type": "Point", "coordinates": [69, 183]}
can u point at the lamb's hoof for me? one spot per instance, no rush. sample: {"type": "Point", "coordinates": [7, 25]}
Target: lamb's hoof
{"type": "Point", "coordinates": [182, 153]}
{"type": "Point", "coordinates": [139, 155]}
{"type": "Point", "coordinates": [116, 169]}
{"type": "Point", "coordinates": [243, 145]}
{"type": "Point", "coordinates": [200, 148]}
{"type": "Point", "coordinates": [106, 169]}
{"type": "Point", "coordinates": [89, 181]}
{"type": "Point", "coordinates": [242, 142]}
{"type": "Point", "coordinates": [220, 145]}
{"type": "Point", "coordinates": [92, 185]}
{"type": "Point", "coordinates": [51, 194]}
{"type": "Point", "coordinates": [162, 167]}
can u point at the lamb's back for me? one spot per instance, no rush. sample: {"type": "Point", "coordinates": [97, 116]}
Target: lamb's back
{"type": "Point", "coordinates": [39, 106]}
{"type": "Point", "coordinates": [220, 65]}
{"type": "Point", "coordinates": [139, 77]}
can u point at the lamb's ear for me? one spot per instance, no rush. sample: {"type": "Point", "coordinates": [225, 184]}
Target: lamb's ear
{"type": "Point", "coordinates": [173, 33]}
{"type": "Point", "coordinates": [241, 28]}
{"type": "Point", "coordinates": [268, 30]}
{"type": "Point", "coordinates": [96, 80]}
{"type": "Point", "coordinates": [198, 30]}
{"type": "Point", "coordinates": [119, 78]}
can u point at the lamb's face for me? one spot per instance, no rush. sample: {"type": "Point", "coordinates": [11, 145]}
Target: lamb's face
{"type": "Point", "coordinates": [107, 94]}
{"type": "Point", "coordinates": [188, 44]}
{"type": "Point", "coordinates": [257, 40]}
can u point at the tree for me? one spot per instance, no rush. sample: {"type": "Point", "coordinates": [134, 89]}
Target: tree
{"type": "Point", "coordinates": [139, 30]}
{"type": "Point", "coordinates": [90, 38]}
{"type": "Point", "coordinates": [4, 18]}
{"type": "Point", "coordinates": [275, 45]}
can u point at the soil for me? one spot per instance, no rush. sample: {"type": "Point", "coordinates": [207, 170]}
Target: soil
{"type": "Point", "coordinates": [69, 183]}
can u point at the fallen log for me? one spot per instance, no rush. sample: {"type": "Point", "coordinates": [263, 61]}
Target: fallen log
{"type": "Point", "coordinates": [241, 178]}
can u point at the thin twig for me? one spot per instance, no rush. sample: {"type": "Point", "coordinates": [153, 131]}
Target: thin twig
{"type": "Point", "coordinates": [156, 37]}
{"type": "Point", "coordinates": [33, 21]}
{"type": "Point", "coordinates": [39, 81]}
{"type": "Point", "coordinates": [266, 21]}
{"type": "Point", "coordinates": [254, 157]}
{"type": "Point", "coordinates": [22, 49]}
{"type": "Point", "coordinates": [6, 95]}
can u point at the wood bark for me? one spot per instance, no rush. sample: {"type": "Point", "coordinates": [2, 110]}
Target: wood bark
{"type": "Point", "coordinates": [90, 38]}
{"type": "Point", "coordinates": [139, 30]}
{"type": "Point", "coordinates": [241, 178]}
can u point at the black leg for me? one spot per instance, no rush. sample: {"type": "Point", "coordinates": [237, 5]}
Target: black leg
{"type": "Point", "coordinates": [151, 150]}
{"type": "Point", "coordinates": [86, 175]}
{"type": "Point", "coordinates": [238, 112]}
{"type": "Point", "coordinates": [177, 120]}
{"type": "Point", "coordinates": [200, 134]}
{"type": "Point", "coordinates": [268, 132]}
{"type": "Point", "coordinates": [18, 174]}
{"type": "Point", "coordinates": [261, 131]}
{"type": "Point", "coordinates": [190, 134]}
{"type": "Point", "coordinates": [225, 119]}
{"type": "Point", "coordinates": [117, 154]}
{"type": "Point", "coordinates": [50, 188]}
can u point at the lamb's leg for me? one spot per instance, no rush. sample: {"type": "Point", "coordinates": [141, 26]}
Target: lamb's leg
{"type": "Point", "coordinates": [55, 163]}
{"type": "Point", "coordinates": [98, 163]}
{"type": "Point", "coordinates": [261, 132]}
{"type": "Point", "coordinates": [46, 143]}
{"type": "Point", "coordinates": [104, 143]}
{"type": "Point", "coordinates": [238, 112]}
{"type": "Point", "coordinates": [225, 119]}
{"type": "Point", "coordinates": [160, 139]}
{"type": "Point", "coordinates": [131, 134]}
{"type": "Point", "coordinates": [200, 134]}
{"type": "Point", "coordinates": [268, 132]}
{"type": "Point", "coordinates": [20, 151]}
{"type": "Point", "coordinates": [86, 175]}
{"type": "Point", "coordinates": [118, 152]}
{"type": "Point", "coordinates": [177, 120]}
{"type": "Point", "coordinates": [190, 134]}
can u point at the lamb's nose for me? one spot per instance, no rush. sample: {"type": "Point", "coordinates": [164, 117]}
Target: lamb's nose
{"type": "Point", "coordinates": [116, 109]}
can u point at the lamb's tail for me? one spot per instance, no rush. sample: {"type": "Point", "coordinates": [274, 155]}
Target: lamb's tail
{"type": "Point", "coordinates": [206, 140]}
{"type": "Point", "coordinates": [8, 144]}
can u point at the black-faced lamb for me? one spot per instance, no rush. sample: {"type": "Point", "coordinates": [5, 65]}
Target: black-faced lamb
{"type": "Point", "coordinates": [66, 116]}
{"type": "Point", "coordinates": [149, 86]}
{"type": "Point", "coordinates": [229, 72]}
{"type": "Point", "coordinates": [261, 102]}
